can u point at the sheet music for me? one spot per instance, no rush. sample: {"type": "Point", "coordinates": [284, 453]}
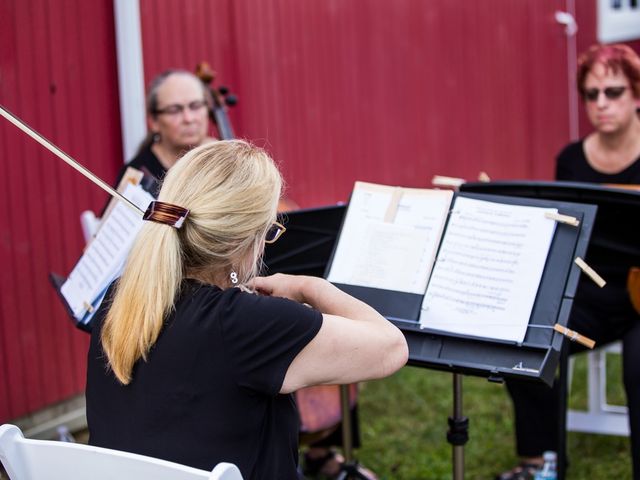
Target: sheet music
{"type": "Point", "coordinates": [105, 256]}
{"type": "Point", "coordinates": [389, 237]}
{"type": "Point", "coordinates": [488, 270]}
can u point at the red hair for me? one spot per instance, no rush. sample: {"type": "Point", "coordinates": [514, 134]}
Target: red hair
{"type": "Point", "coordinates": [615, 58]}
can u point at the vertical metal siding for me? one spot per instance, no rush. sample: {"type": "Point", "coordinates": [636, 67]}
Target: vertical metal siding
{"type": "Point", "coordinates": [382, 91]}
{"type": "Point", "coordinates": [58, 73]}
{"type": "Point", "coordinates": [390, 92]}
{"type": "Point", "coordinates": [396, 92]}
{"type": "Point", "coordinates": [179, 34]}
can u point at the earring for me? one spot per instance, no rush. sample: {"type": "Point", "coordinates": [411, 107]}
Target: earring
{"type": "Point", "coordinates": [234, 277]}
{"type": "Point", "coordinates": [155, 138]}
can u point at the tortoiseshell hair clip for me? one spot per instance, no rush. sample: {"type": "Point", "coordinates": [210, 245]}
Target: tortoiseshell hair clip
{"type": "Point", "coordinates": [166, 213]}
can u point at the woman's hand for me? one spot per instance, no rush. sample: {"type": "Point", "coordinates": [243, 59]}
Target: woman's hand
{"type": "Point", "coordinates": [292, 287]}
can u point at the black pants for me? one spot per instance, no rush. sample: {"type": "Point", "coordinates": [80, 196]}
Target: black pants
{"type": "Point", "coordinates": [604, 315]}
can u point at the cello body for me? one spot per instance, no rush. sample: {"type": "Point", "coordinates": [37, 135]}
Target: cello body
{"type": "Point", "coordinates": [320, 410]}
{"type": "Point", "coordinates": [633, 286]}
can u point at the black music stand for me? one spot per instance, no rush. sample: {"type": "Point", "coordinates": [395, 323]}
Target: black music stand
{"type": "Point", "coordinates": [349, 469]}
{"type": "Point", "coordinates": [535, 359]}
{"type": "Point", "coordinates": [57, 281]}
{"type": "Point", "coordinates": [307, 245]}
{"type": "Point", "coordinates": [613, 232]}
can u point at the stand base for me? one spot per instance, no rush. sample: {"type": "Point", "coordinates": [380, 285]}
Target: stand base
{"type": "Point", "coordinates": [349, 471]}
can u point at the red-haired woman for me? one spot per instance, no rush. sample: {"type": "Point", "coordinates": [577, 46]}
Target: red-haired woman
{"type": "Point", "coordinates": [609, 83]}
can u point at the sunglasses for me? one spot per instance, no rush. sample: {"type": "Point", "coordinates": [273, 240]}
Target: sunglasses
{"type": "Point", "coordinates": [275, 232]}
{"type": "Point", "coordinates": [612, 93]}
{"type": "Point", "coordinates": [177, 109]}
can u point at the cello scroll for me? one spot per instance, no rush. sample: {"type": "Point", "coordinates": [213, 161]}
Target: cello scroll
{"type": "Point", "coordinates": [221, 99]}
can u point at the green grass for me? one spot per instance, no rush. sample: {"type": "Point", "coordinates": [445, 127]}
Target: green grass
{"type": "Point", "coordinates": [403, 422]}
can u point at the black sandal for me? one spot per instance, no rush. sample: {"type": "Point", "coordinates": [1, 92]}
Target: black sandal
{"type": "Point", "coordinates": [522, 471]}
{"type": "Point", "coordinates": [316, 467]}
{"type": "Point", "coordinates": [312, 466]}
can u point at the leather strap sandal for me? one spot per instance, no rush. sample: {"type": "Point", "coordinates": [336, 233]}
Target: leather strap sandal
{"type": "Point", "coordinates": [330, 466]}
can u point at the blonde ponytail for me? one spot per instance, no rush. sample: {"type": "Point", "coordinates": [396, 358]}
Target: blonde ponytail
{"type": "Point", "coordinates": [231, 189]}
{"type": "Point", "coordinates": [145, 295]}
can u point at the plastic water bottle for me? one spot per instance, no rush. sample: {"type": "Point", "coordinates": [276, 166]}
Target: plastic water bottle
{"type": "Point", "coordinates": [548, 470]}
{"type": "Point", "coordinates": [64, 435]}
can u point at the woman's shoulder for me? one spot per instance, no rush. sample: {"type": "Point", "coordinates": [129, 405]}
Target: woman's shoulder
{"type": "Point", "coordinates": [243, 301]}
{"type": "Point", "coordinates": [236, 300]}
{"type": "Point", "coordinates": [571, 162]}
{"type": "Point", "coordinates": [572, 151]}
{"type": "Point", "coordinates": [196, 292]}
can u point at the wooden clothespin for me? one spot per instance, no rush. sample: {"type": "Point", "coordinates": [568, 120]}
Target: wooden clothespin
{"type": "Point", "coordinates": [88, 306]}
{"type": "Point", "coordinates": [558, 217]}
{"type": "Point", "coordinates": [591, 273]}
{"type": "Point", "coordinates": [574, 336]}
{"type": "Point", "coordinates": [483, 177]}
{"type": "Point", "coordinates": [442, 181]}
{"type": "Point", "coordinates": [392, 209]}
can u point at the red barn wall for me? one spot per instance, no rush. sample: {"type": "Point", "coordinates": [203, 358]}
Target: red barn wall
{"type": "Point", "coordinates": [390, 92]}
{"type": "Point", "coordinates": [58, 73]}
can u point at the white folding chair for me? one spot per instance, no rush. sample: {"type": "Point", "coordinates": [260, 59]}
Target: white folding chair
{"type": "Point", "coordinates": [28, 459]}
{"type": "Point", "coordinates": [600, 417]}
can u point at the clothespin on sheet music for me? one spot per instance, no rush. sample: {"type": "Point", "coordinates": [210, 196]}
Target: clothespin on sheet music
{"type": "Point", "coordinates": [88, 306]}
{"type": "Point", "coordinates": [558, 217]}
{"type": "Point", "coordinates": [590, 272]}
{"type": "Point", "coordinates": [392, 209]}
{"type": "Point", "coordinates": [442, 181]}
{"type": "Point", "coordinates": [574, 336]}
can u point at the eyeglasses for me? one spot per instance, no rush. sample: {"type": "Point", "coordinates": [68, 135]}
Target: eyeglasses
{"type": "Point", "coordinates": [275, 232]}
{"type": "Point", "coordinates": [612, 93]}
{"type": "Point", "coordinates": [177, 109]}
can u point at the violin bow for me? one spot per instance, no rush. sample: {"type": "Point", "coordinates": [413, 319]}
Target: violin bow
{"type": "Point", "coordinates": [66, 158]}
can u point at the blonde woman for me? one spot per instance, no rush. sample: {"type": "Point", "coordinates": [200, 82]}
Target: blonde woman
{"type": "Point", "coordinates": [188, 366]}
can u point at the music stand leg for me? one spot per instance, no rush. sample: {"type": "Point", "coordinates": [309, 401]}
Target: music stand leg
{"type": "Point", "coordinates": [347, 439]}
{"type": "Point", "coordinates": [458, 432]}
{"type": "Point", "coordinates": [562, 416]}
{"type": "Point", "coordinates": [349, 469]}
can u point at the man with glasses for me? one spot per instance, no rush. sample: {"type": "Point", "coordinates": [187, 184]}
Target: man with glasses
{"type": "Point", "coordinates": [178, 120]}
{"type": "Point", "coordinates": [609, 83]}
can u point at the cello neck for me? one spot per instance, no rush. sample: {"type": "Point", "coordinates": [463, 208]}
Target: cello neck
{"type": "Point", "coordinates": [219, 116]}
{"type": "Point", "coordinates": [220, 98]}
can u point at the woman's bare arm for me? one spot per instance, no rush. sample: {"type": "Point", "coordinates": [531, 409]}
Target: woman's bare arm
{"type": "Point", "coordinates": [355, 342]}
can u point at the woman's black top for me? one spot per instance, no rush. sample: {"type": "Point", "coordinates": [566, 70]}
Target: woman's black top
{"type": "Point", "coordinates": [572, 165]}
{"type": "Point", "coordinates": [147, 162]}
{"type": "Point", "coordinates": [208, 391]}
